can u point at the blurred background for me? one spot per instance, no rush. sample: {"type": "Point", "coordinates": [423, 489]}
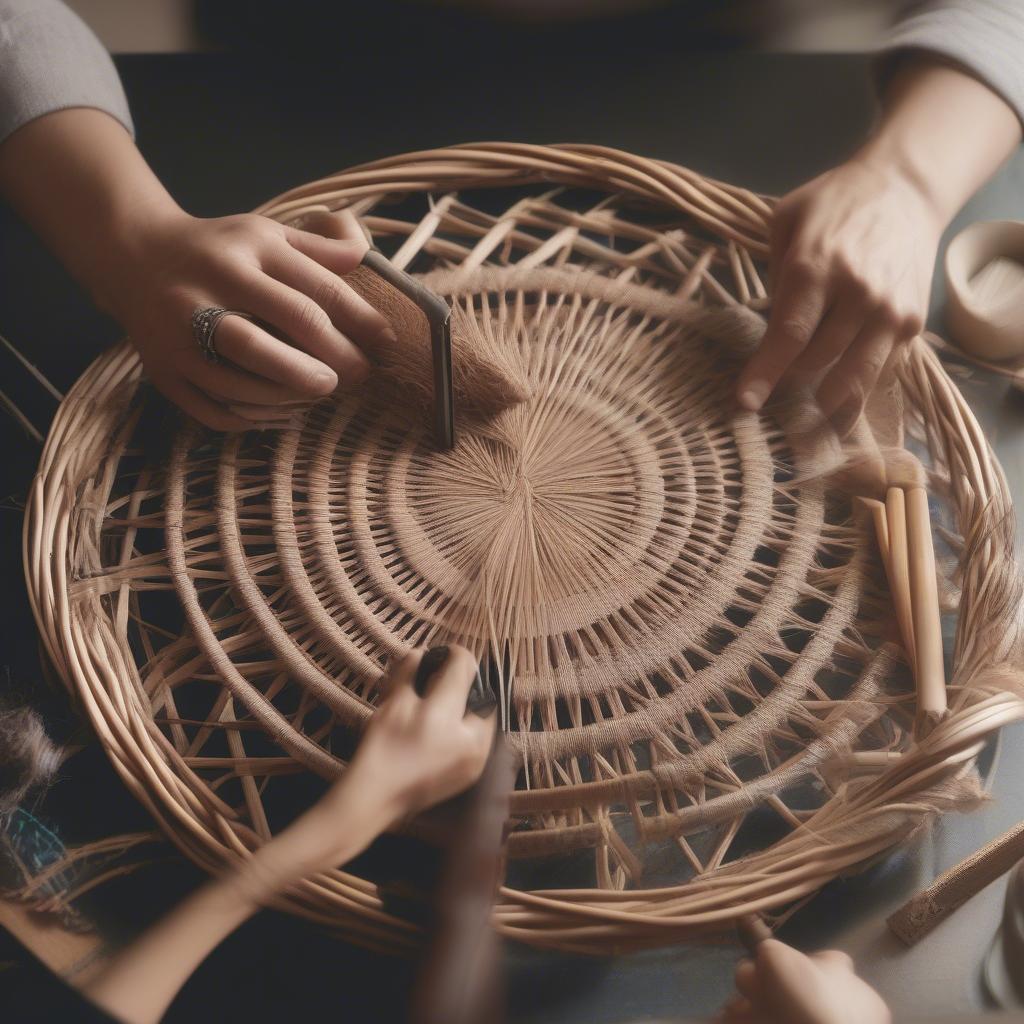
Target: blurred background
{"type": "Point", "coordinates": [167, 26]}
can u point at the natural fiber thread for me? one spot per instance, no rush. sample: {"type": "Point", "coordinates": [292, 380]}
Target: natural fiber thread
{"type": "Point", "coordinates": [28, 758]}
{"type": "Point", "coordinates": [485, 379]}
{"type": "Point", "coordinates": [682, 602]}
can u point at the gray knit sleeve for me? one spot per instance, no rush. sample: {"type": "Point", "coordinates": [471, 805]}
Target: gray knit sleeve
{"type": "Point", "coordinates": [984, 37]}
{"type": "Point", "coordinates": [50, 60]}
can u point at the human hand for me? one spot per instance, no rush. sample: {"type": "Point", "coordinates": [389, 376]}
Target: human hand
{"type": "Point", "coordinates": [160, 269]}
{"type": "Point", "coordinates": [783, 986]}
{"type": "Point", "coordinates": [852, 254]}
{"type": "Point", "coordinates": [416, 752]}
{"type": "Point", "coordinates": [420, 750]}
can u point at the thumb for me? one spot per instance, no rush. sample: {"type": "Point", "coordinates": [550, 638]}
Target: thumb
{"type": "Point", "coordinates": [791, 985]}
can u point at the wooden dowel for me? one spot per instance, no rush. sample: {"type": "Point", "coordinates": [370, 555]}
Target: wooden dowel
{"type": "Point", "coordinates": [924, 604]}
{"type": "Point", "coordinates": [953, 888]}
{"type": "Point", "coordinates": [899, 571]}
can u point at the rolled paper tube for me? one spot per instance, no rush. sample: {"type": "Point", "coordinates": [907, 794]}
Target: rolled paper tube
{"type": "Point", "coordinates": [899, 570]}
{"type": "Point", "coordinates": [924, 604]}
{"type": "Point", "coordinates": [953, 888]}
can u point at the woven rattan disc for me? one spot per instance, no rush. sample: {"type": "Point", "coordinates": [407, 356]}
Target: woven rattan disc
{"type": "Point", "coordinates": [681, 602]}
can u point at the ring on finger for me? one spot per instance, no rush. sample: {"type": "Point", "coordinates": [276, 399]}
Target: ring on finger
{"type": "Point", "coordinates": [204, 328]}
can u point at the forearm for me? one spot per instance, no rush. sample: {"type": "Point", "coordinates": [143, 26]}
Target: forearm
{"type": "Point", "coordinates": [140, 983]}
{"type": "Point", "coordinates": [79, 181]}
{"type": "Point", "coordinates": [943, 131]}
{"type": "Point", "coordinates": [138, 986]}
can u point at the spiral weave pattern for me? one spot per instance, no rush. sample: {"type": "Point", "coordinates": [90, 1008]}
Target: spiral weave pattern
{"type": "Point", "coordinates": [679, 601]}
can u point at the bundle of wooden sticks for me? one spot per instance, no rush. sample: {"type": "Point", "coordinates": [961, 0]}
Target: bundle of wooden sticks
{"type": "Point", "coordinates": [903, 527]}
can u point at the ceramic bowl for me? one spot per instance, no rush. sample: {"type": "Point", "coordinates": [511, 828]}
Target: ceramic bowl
{"type": "Point", "coordinates": [985, 289]}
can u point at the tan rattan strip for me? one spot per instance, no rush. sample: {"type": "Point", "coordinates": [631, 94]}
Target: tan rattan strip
{"type": "Point", "coordinates": [691, 630]}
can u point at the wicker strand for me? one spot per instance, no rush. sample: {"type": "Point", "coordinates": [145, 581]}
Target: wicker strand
{"type": "Point", "coordinates": [682, 604]}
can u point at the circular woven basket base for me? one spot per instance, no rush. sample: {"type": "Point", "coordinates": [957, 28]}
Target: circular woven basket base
{"type": "Point", "coordinates": [681, 604]}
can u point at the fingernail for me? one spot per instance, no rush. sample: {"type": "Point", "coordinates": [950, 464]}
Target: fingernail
{"type": "Point", "coordinates": [431, 662]}
{"type": "Point", "coordinates": [325, 382]}
{"type": "Point", "coordinates": [481, 700]}
{"type": "Point", "coordinates": [387, 337]}
{"type": "Point", "coordinates": [753, 396]}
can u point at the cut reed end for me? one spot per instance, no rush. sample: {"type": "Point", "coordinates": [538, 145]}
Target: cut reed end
{"type": "Point", "coordinates": [915, 919]}
{"type": "Point", "coordinates": [926, 720]}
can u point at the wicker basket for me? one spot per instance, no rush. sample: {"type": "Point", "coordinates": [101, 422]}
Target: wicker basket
{"type": "Point", "coordinates": [710, 705]}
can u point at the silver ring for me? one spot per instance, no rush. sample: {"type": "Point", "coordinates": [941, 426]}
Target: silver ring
{"type": "Point", "coordinates": [204, 327]}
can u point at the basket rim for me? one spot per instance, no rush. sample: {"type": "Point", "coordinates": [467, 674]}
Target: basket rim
{"type": "Point", "coordinates": [584, 920]}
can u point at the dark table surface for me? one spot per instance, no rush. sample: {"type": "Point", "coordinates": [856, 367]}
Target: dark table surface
{"type": "Point", "coordinates": [228, 131]}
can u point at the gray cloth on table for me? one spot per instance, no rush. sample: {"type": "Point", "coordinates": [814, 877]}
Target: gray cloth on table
{"type": "Point", "coordinates": [50, 60]}
{"type": "Point", "coordinates": [984, 37]}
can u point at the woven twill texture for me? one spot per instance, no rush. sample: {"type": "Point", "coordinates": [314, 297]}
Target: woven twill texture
{"type": "Point", "coordinates": [681, 602]}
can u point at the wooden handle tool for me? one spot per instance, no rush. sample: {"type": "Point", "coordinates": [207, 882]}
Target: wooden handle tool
{"type": "Point", "coordinates": [394, 288]}
{"type": "Point", "coordinates": [952, 889]}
